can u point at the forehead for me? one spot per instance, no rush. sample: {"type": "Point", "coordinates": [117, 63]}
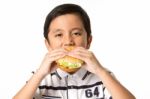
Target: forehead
{"type": "Point", "coordinates": [67, 20]}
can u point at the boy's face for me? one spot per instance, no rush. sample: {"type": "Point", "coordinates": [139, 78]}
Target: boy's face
{"type": "Point", "coordinates": [67, 30]}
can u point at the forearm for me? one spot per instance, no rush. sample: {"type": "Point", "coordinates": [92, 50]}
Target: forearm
{"type": "Point", "coordinates": [114, 87]}
{"type": "Point", "coordinates": [29, 89]}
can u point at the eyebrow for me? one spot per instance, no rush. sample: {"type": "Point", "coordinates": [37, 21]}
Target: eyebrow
{"type": "Point", "coordinates": [61, 30]}
{"type": "Point", "coordinates": [57, 30]}
{"type": "Point", "coordinates": [80, 29]}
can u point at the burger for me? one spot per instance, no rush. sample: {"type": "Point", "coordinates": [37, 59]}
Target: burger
{"type": "Point", "coordinates": [69, 63]}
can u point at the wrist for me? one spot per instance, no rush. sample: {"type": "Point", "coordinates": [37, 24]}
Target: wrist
{"type": "Point", "coordinates": [100, 70]}
{"type": "Point", "coordinates": [40, 73]}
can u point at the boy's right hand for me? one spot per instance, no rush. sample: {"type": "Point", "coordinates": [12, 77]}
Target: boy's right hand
{"type": "Point", "coordinates": [48, 63]}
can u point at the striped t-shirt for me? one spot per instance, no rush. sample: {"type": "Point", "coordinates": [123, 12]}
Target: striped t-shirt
{"type": "Point", "coordinates": [80, 85]}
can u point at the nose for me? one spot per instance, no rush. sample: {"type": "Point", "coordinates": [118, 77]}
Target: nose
{"type": "Point", "coordinates": [68, 40]}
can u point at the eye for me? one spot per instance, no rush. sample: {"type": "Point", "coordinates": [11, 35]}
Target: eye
{"type": "Point", "coordinates": [77, 33]}
{"type": "Point", "coordinates": [58, 35]}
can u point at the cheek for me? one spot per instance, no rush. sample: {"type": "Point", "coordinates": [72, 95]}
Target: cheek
{"type": "Point", "coordinates": [55, 44]}
{"type": "Point", "coordinates": [81, 42]}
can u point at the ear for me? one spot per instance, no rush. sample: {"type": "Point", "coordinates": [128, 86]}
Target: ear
{"type": "Point", "coordinates": [89, 40]}
{"type": "Point", "coordinates": [47, 44]}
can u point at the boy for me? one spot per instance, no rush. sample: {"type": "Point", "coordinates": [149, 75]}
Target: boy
{"type": "Point", "coordinates": [69, 25]}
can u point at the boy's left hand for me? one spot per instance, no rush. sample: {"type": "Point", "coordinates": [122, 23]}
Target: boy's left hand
{"type": "Point", "coordinates": [92, 64]}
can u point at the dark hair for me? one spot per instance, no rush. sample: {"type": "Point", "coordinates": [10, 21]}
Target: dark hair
{"type": "Point", "coordinates": [67, 9]}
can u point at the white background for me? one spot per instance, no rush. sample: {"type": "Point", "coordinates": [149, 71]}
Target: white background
{"type": "Point", "coordinates": [121, 40]}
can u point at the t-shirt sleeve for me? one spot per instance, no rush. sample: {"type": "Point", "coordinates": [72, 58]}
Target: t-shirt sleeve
{"type": "Point", "coordinates": [37, 96]}
{"type": "Point", "coordinates": [107, 95]}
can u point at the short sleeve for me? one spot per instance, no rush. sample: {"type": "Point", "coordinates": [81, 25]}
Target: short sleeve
{"type": "Point", "coordinates": [37, 95]}
{"type": "Point", "coordinates": [107, 95]}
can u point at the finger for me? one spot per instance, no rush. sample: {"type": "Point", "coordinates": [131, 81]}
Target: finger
{"type": "Point", "coordinates": [57, 50]}
{"type": "Point", "coordinates": [55, 56]}
{"type": "Point", "coordinates": [81, 51]}
{"type": "Point", "coordinates": [79, 55]}
{"type": "Point", "coordinates": [84, 55]}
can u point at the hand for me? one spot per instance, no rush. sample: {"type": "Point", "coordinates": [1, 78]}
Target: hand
{"type": "Point", "coordinates": [92, 64]}
{"type": "Point", "coordinates": [48, 63]}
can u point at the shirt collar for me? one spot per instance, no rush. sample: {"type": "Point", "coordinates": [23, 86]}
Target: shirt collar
{"type": "Point", "coordinates": [78, 74]}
